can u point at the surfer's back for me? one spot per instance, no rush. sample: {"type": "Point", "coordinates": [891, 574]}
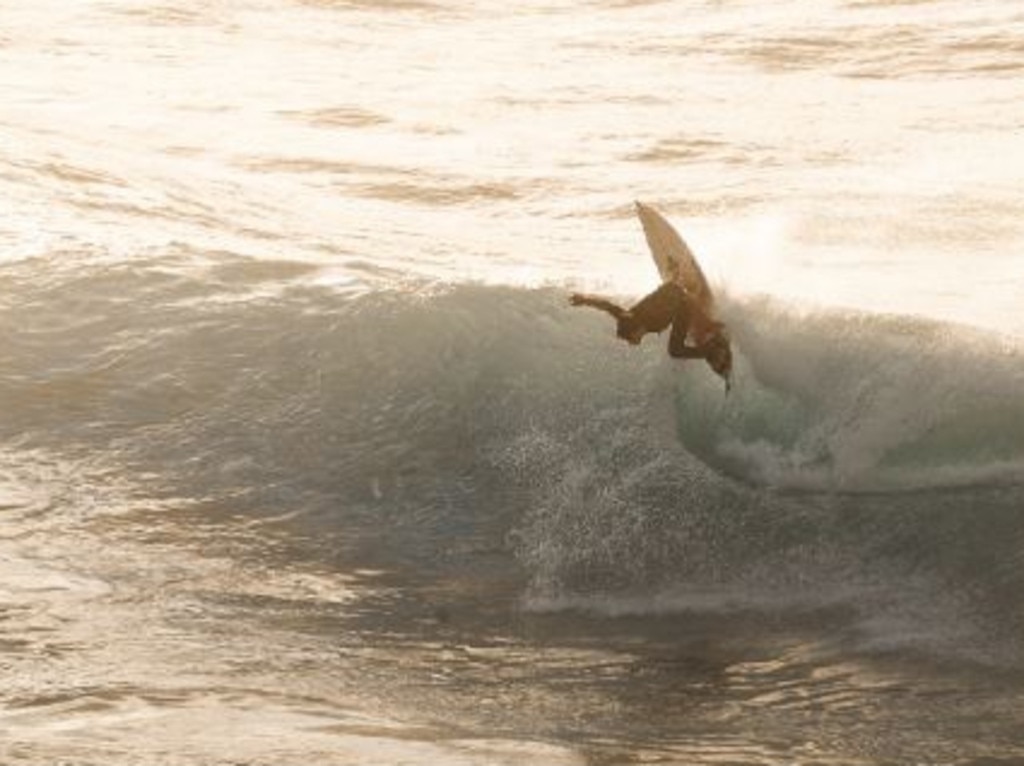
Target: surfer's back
{"type": "Point", "coordinates": [662, 307]}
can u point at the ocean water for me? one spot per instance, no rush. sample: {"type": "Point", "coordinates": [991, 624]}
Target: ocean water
{"type": "Point", "coordinates": [305, 458]}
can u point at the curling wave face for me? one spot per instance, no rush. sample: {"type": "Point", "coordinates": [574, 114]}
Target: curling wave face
{"type": "Point", "coordinates": [841, 401]}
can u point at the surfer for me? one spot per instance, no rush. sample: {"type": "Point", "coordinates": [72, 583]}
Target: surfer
{"type": "Point", "coordinates": [669, 305]}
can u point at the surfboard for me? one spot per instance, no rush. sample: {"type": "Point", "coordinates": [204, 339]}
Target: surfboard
{"type": "Point", "coordinates": [673, 257]}
{"type": "Point", "coordinates": [677, 263]}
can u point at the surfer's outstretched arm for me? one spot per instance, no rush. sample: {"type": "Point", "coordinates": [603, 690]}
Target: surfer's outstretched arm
{"type": "Point", "coordinates": [596, 302]}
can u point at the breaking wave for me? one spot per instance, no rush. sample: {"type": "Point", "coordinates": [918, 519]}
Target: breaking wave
{"type": "Point", "coordinates": [863, 460]}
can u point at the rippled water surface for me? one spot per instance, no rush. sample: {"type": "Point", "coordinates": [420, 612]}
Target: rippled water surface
{"type": "Point", "coordinates": [306, 459]}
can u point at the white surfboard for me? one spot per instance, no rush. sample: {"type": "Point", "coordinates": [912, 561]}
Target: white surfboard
{"type": "Point", "coordinates": [672, 256]}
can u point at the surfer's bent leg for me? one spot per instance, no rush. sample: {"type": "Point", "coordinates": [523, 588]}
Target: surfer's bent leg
{"type": "Point", "coordinates": [677, 347]}
{"type": "Point", "coordinates": [679, 350]}
{"type": "Point", "coordinates": [687, 352]}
